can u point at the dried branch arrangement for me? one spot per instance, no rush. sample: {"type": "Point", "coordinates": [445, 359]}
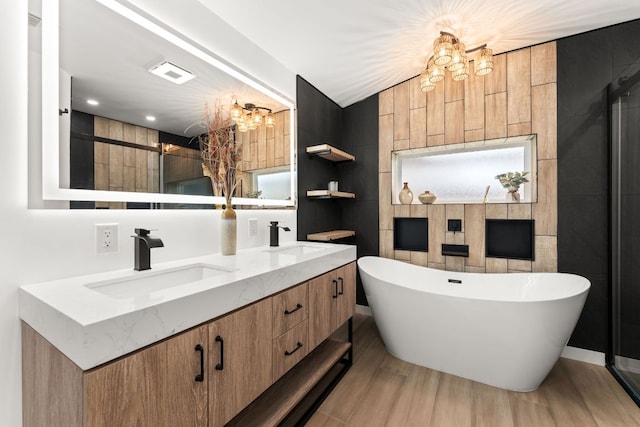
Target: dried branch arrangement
{"type": "Point", "coordinates": [221, 155]}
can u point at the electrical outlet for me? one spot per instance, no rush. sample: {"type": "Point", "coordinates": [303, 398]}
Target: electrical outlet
{"type": "Point", "coordinates": [106, 238]}
{"type": "Point", "coordinates": [253, 227]}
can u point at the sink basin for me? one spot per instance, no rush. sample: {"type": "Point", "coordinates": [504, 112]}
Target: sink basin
{"type": "Point", "coordinates": [147, 282]}
{"type": "Point", "coordinates": [295, 250]}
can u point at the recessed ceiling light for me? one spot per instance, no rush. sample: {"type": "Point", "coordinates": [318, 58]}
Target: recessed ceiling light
{"type": "Point", "coordinates": [172, 72]}
{"type": "Point", "coordinates": [92, 102]}
{"type": "Point", "coordinates": [151, 118]}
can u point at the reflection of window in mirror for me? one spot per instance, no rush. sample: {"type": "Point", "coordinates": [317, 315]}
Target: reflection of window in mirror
{"type": "Point", "coordinates": [273, 183]}
{"type": "Point", "coordinates": [460, 173]}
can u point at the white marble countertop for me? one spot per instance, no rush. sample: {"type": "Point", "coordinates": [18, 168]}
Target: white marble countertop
{"type": "Point", "coordinates": [92, 327]}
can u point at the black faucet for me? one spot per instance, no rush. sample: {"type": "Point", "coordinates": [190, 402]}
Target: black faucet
{"type": "Point", "coordinates": [142, 245]}
{"type": "Point", "coordinates": [273, 233]}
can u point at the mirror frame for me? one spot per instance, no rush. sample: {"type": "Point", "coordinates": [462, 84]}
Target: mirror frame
{"type": "Point", "coordinates": [51, 188]}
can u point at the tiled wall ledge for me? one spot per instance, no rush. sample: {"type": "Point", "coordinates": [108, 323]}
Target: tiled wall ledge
{"type": "Point", "coordinates": [517, 98]}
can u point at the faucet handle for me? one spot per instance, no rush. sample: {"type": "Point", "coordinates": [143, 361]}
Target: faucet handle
{"type": "Point", "coordinates": [144, 231]}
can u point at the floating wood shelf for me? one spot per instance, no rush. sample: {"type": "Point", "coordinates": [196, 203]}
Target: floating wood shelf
{"type": "Point", "coordinates": [328, 152]}
{"type": "Point", "coordinates": [275, 403]}
{"type": "Point", "coordinates": [326, 194]}
{"type": "Point", "coordinates": [328, 236]}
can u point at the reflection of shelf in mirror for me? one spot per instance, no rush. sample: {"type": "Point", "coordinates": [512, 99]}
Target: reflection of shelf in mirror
{"type": "Point", "coordinates": [328, 236]}
{"type": "Point", "coordinates": [328, 152]}
{"type": "Point", "coordinates": [326, 194]}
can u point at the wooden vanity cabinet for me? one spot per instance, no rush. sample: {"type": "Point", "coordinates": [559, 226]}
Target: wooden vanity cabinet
{"type": "Point", "coordinates": [332, 300]}
{"type": "Point", "coordinates": [155, 386]}
{"type": "Point", "coordinates": [240, 365]}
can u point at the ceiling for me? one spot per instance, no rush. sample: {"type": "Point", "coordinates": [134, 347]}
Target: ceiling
{"type": "Point", "coordinates": [351, 49]}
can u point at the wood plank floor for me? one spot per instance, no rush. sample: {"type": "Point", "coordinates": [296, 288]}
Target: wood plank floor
{"type": "Point", "coordinates": [380, 390]}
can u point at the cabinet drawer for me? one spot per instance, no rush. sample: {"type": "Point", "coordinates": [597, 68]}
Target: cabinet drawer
{"type": "Point", "coordinates": [289, 348]}
{"type": "Point", "coordinates": [290, 308]}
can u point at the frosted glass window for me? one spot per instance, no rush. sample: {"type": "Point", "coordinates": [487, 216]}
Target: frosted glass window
{"type": "Point", "coordinates": [460, 173]}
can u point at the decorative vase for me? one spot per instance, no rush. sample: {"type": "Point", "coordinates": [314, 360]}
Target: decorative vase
{"type": "Point", "coordinates": [512, 195]}
{"type": "Point", "coordinates": [427, 197]}
{"type": "Point", "coordinates": [405, 195]}
{"type": "Point", "coordinates": [228, 231]}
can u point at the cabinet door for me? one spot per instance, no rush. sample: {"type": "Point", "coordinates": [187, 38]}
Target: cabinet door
{"type": "Point", "coordinates": [323, 293]}
{"type": "Point", "coordinates": [240, 360]}
{"type": "Point", "coordinates": [346, 293]}
{"type": "Point", "coordinates": [155, 386]}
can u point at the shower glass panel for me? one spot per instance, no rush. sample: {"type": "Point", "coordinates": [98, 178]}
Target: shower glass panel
{"type": "Point", "coordinates": [625, 197]}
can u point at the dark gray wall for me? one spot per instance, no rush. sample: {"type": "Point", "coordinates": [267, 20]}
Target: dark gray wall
{"type": "Point", "coordinates": [354, 130]}
{"type": "Point", "coordinates": [587, 63]}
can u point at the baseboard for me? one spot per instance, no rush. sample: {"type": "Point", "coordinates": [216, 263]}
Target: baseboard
{"type": "Point", "coordinates": [583, 355]}
{"type": "Point", "coordinates": [363, 309]}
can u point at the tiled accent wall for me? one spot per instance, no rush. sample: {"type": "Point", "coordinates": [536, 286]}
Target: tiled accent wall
{"type": "Point", "coordinates": [266, 147]}
{"type": "Point", "coordinates": [120, 168]}
{"type": "Point", "coordinates": [517, 98]}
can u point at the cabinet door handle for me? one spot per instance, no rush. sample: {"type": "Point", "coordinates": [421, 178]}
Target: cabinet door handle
{"type": "Point", "coordinates": [335, 288]}
{"type": "Point", "coordinates": [220, 366]}
{"type": "Point", "coordinates": [341, 286]}
{"type": "Point", "coordinates": [298, 347]}
{"type": "Point", "coordinates": [200, 377]}
{"type": "Point", "coordinates": [298, 307]}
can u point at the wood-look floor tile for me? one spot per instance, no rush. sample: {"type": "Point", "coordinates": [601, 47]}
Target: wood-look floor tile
{"type": "Point", "coordinates": [378, 399]}
{"type": "Point", "coordinates": [454, 402]}
{"type": "Point", "coordinates": [491, 406]}
{"type": "Point", "coordinates": [414, 405]}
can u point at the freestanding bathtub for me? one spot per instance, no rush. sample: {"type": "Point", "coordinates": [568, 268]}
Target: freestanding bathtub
{"type": "Point", "coordinates": [505, 330]}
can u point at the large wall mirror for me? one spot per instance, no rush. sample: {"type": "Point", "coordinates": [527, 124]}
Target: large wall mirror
{"type": "Point", "coordinates": [122, 131]}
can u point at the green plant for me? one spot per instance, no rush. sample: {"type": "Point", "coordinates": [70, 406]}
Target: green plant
{"type": "Point", "coordinates": [512, 179]}
{"type": "Point", "coordinates": [254, 194]}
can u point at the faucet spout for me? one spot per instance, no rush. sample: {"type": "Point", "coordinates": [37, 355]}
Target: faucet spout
{"type": "Point", "coordinates": [142, 245]}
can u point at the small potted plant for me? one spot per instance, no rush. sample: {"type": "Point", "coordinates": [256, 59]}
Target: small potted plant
{"type": "Point", "coordinates": [512, 182]}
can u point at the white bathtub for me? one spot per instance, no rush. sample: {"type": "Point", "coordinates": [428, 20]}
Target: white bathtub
{"type": "Point", "coordinates": [505, 330]}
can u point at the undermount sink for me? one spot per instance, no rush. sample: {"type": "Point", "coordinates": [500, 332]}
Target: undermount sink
{"type": "Point", "coordinates": [295, 250]}
{"type": "Point", "coordinates": [151, 281]}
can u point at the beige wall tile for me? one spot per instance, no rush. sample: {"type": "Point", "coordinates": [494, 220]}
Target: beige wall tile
{"type": "Point", "coordinates": [519, 211]}
{"type": "Point", "coordinates": [545, 119]}
{"type": "Point", "coordinates": [454, 263]}
{"type": "Point", "coordinates": [153, 138]}
{"type": "Point", "coordinates": [141, 136]}
{"type": "Point", "coordinates": [496, 115]}
{"type": "Point", "coordinates": [386, 208]}
{"type": "Point", "coordinates": [434, 140]}
{"type": "Point", "coordinates": [518, 129]}
{"type": "Point", "coordinates": [116, 130]}
{"type": "Point", "coordinates": [385, 142]}
{"type": "Point", "coordinates": [419, 258]}
{"type": "Point", "coordinates": [401, 144]}
{"type": "Point", "coordinates": [473, 269]}
{"type": "Point", "coordinates": [401, 111]}
{"type": "Point", "coordinates": [129, 178]}
{"type": "Point", "coordinates": [545, 212]}
{"type": "Point", "coordinates": [546, 248]}
{"type": "Point", "coordinates": [402, 211]}
{"type": "Point", "coordinates": [129, 133]}
{"type": "Point", "coordinates": [435, 111]}
{"type": "Point", "coordinates": [417, 98]}
{"type": "Point", "coordinates": [386, 244]}
{"type": "Point", "coordinates": [385, 102]}
{"type": "Point", "coordinates": [101, 176]}
{"type": "Point", "coordinates": [474, 234]}
{"type": "Point", "coordinates": [543, 63]}
{"type": "Point", "coordinates": [474, 135]}
{"type": "Point", "coordinates": [403, 256]}
{"type": "Point", "coordinates": [453, 91]}
{"type": "Point", "coordinates": [101, 153]}
{"type": "Point", "coordinates": [129, 156]}
{"type": "Point", "coordinates": [101, 127]}
{"type": "Point", "coordinates": [437, 266]}
{"type": "Point", "coordinates": [519, 86]}
{"type": "Point", "coordinates": [454, 122]}
{"type": "Point", "coordinates": [496, 81]}
{"type": "Point", "coordinates": [418, 211]}
{"type": "Point", "coordinates": [474, 102]}
{"type": "Point", "coordinates": [518, 265]}
{"type": "Point", "coordinates": [496, 211]}
{"type": "Point", "coordinates": [116, 177]}
{"type": "Point", "coordinates": [496, 265]}
{"type": "Point", "coordinates": [418, 131]}
{"type": "Point", "coordinates": [437, 230]}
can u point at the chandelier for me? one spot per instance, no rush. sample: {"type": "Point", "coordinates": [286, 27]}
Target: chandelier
{"type": "Point", "coordinates": [449, 54]}
{"type": "Point", "coordinates": [250, 116]}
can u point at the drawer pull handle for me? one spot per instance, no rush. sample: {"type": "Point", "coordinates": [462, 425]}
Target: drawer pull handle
{"type": "Point", "coordinates": [220, 366]}
{"type": "Point", "coordinates": [335, 288]}
{"type": "Point", "coordinates": [298, 307]}
{"type": "Point", "coordinates": [341, 286]}
{"type": "Point", "coordinates": [298, 347]}
{"type": "Point", "coordinates": [200, 377]}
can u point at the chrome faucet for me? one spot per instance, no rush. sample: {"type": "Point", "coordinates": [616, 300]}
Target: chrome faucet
{"type": "Point", "coordinates": [273, 233]}
{"type": "Point", "coordinates": [142, 245]}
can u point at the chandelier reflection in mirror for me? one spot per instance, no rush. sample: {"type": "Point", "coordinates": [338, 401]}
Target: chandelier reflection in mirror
{"type": "Point", "coordinates": [450, 54]}
{"type": "Point", "coordinates": [250, 116]}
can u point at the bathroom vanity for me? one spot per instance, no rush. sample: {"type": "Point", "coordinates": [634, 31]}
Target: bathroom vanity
{"type": "Point", "coordinates": [207, 341]}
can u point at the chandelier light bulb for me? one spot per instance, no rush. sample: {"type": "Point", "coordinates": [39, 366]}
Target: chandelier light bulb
{"type": "Point", "coordinates": [442, 50]}
{"type": "Point", "coordinates": [458, 57]}
{"type": "Point", "coordinates": [425, 83]}
{"type": "Point", "coordinates": [484, 62]}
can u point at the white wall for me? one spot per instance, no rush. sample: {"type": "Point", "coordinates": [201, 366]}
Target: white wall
{"type": "Point", "coordinates": [39, 245]}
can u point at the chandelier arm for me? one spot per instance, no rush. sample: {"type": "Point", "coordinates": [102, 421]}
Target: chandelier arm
{"type": "Point", "coordinates": [476, 48]}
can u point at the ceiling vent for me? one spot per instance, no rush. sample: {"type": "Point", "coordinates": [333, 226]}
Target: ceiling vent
{"type": "Point", "coordinates": [172, 72]}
